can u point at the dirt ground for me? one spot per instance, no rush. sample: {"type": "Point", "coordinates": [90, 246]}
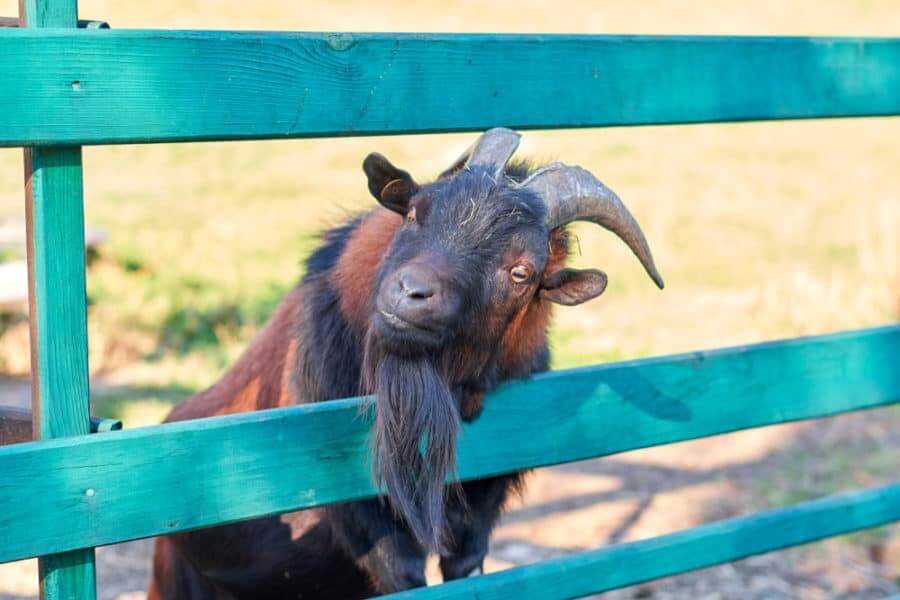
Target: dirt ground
{"type": "Point", "coordinates": [631, 496]}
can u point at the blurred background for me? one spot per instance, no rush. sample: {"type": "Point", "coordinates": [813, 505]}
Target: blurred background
{"type": "Point", "coordinates": [762, 230]}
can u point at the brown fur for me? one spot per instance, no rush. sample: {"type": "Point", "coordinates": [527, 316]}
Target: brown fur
{"type": "Point", "coordinates": [354, 274]}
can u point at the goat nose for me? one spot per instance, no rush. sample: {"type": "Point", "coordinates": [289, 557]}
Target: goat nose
{"type": "Point", "coordinates": [417, 296]}
{"type": "Point", "coordinates": [416, 287]}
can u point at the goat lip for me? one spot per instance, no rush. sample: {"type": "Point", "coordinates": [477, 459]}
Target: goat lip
{"type": "Point", "coordinates": [404, 336]}
{"type": "Point", "coordinates": [400, 323]}
{"type": "Point", "coordinates": [404, 339]}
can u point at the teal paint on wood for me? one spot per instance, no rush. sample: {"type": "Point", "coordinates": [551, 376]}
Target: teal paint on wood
{"type": "Point", "coordinates": [49, 13]}
{"type": "Point", "coordinates": [57, 299]}
{"type": "Point", "coordinates": [58, 277]}
{"type": "Point", "coordinates": [68, 576]}
{"type": "Point", "coordinates": [59, 331]}
{"type": "Point", "coordinates": [627, 564]}
{"type": "Point", "coordinates": [151, 86]}
{"type": "Point", "coordinates": [179, 476]}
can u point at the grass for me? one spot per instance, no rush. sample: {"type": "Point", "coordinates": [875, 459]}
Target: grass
{"type": "Point", "coordinates": [138, 405]}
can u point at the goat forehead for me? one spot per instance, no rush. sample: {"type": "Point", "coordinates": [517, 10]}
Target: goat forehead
{"type": "Point", "coordinates": [475, 213]}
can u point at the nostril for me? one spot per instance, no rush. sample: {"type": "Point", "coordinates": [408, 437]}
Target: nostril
{"type": "Point", "coordinates": [420, 294]}
{"type": "Point", "coordinates": [416, 289]}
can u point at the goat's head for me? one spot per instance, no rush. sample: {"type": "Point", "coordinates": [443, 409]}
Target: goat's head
{"type": "Point", "coordinates": [479, 248]}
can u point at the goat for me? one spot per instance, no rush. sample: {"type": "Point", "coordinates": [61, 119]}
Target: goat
{"type": "Point", "coordinates": [428, 302]}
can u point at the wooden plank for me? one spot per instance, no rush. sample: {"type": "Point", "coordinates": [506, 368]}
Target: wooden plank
{"type": "Point", "coordinates": [55, 223]}
{"type": "Point", "coordinates": [179, 476]}
{"type": "Point", "coordinates": [57, 303]}
{"type": "Point", "coordinates": [57, 310]}
{"type": "Point", "coordinates": [38, 14]}
{"type": "Point", "coordinates": [16, 425]}
{"type": "Point", "coordinates": [636, 562]}
{"type": "Point", "coordinates": [58, 315]}
{"type": "Point", "coordinates": [100, 87]}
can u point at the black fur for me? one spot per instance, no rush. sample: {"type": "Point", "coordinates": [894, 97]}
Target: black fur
{"type": "Point", "coordinates": [358, 549]}
{"type": "Point", "coordinates": [415, 406]}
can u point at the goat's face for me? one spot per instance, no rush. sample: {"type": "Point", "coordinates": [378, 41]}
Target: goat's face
{"type": "Point", "coordinates": [450, 264]}
{"type": "Point", "coordinates": [470, 256]}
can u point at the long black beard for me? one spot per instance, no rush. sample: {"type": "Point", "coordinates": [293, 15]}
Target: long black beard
{"type": "Point", "coordinates": [414, 442]}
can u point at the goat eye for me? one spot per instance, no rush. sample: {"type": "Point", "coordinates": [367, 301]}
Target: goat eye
{"type": "Point", "coordinates": [411, 215]}
{"type": "Point", "coordinates": [520, 274]}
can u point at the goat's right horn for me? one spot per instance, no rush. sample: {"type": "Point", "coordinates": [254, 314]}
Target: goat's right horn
{"type": "Point", "coordinates": [573, 194]}
{"type": "Point", "coordinates": [491, 151]}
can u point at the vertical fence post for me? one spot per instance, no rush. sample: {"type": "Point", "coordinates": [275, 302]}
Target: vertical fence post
{"type": "Point", "coordinates": [57, 305]}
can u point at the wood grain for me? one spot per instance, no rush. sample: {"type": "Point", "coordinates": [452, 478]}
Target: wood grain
{"type": "Point", "coordinates": [627, 564]}
{"type": "Point", "coordinates": [109, 86]}
{"type": "Point", "coordinates": [57, 299]}
{"type": "Point", "coordinates": [57, 304]}
{"type": "Point", "coordinates": [179, 476]}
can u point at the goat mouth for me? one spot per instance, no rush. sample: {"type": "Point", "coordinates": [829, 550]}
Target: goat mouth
{"type": "Point", "coordinates": [398, 322]}
{"type": "Point", "coordinates": [399, 333]}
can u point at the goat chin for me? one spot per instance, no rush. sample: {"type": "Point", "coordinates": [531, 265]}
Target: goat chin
{"type": "Point", "coordinates": [414, 441]}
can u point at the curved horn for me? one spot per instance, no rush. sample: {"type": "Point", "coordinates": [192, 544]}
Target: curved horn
{"type": "Point", "coordinates": [573, 194]}
{"type": "Point", "coordinates": [491, 151]}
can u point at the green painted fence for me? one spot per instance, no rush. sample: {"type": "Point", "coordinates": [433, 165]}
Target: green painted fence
{"type": "Point", "coordinates": [61, 88]}
{"type": "Point", "coordinates": [108, 86]}
{"type": "Point", "coordinates": [273, 461]}
{"type": "Point", "coordinates": [57, 305]}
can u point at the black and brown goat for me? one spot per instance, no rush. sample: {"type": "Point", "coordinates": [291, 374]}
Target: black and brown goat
{"type": "Point", "coordinates": [428, 302]}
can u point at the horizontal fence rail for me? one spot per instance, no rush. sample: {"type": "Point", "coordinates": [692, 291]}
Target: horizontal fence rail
{"type": "Point", "coordinates": [635, 562]}
{"type": "Point", "coordinates": [89, 491]}
{"type": "Point", "coordinates": [123, 86]}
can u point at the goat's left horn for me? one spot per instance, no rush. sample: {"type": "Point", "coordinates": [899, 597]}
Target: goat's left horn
{"type": "Point", "coordinates": [573, 194]}
{"type": "Point", "coordinates": [491, 151]}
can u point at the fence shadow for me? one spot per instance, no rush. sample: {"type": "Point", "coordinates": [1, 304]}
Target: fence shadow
{"type": "Point", "coordinates": [818, 458]}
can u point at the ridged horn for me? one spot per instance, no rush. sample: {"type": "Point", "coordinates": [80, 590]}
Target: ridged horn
{"type": "Point", "coordinates": [574, 194]}
{"type": "Point", "coordinates": [491, 151]}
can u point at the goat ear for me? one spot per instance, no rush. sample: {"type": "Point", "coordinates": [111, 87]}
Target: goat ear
{"type": "Point", "coordinates": [573, 286]}
{"type": "Point", "coordinates": [392, 187]}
